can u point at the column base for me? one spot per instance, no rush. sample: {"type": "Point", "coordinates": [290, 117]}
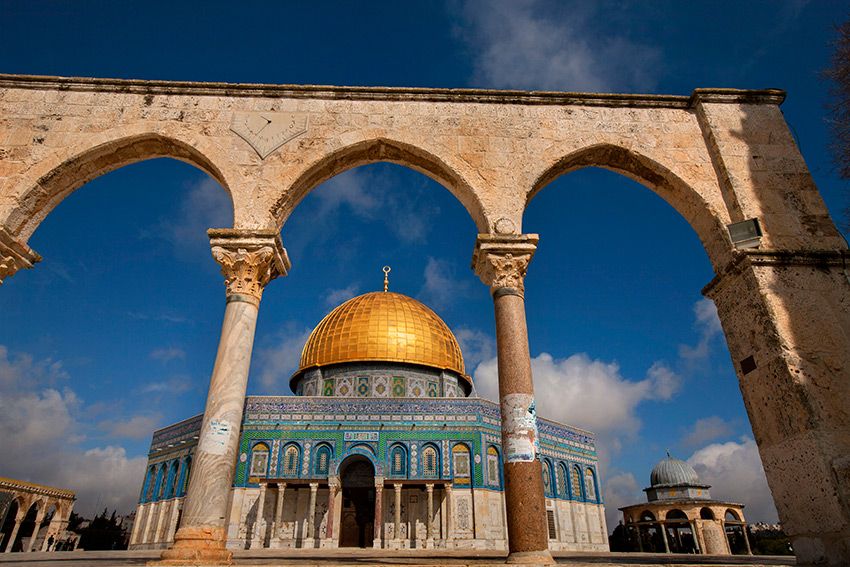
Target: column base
{"type": "Point", "coordinates": [530, 558]}
{"type": "Point", "coordinates": [197, 546]}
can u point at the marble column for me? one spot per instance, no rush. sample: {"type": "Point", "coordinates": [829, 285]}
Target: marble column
{"type": "Point", "coordinates": [278, 509]}
{"type": "Point", "coordinates": [501, 262]}
{"type": "Point", "coordinates": [18, 521]}
{"type": "Point", "coordinates": [450, 526]}
{"type": "Point", "coordinates": [379, 512]}
{"type": "Point", "coordinates": [429, 520]}
{"type": "Point", "coordinates": [693, 525]}
{"type": "Point", "coordinates": [397, 515]}
{"type": "Point", "coordinates": [310, 540]}
{"type": "Point", "coordinates": [258, 539]}
{"type": "Point", "coordinates": [333, 488]}
{"type": "Point", "coordinates": [249, 260]}
{"type": "Point", "coordinates": [39, 516]}
{"type": "Point", "coordinates": [747, 539]}
{"type": "Point", "coordinates": [664, 536]}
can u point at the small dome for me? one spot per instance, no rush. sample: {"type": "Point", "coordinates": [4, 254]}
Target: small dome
{"type": "Point", "coordinates": [671, 471]}
{"type": "Point", "coordinates": [383, 326]}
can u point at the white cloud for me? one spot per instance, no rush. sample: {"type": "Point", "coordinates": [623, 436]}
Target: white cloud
{"type": "Point", "coordinates": [707, 324]}
{"type": "Point", "coordinates": [591, 394]}
{"type": "Point", "coordinates": [175, 385]}
{"type": "Point", "coordinates": [136, 427]}
{"type": "Point", "coordinates": [278, 362]}
{"type": "Point", "coordinates": [549, 45]}
{"type": "Point", "coordinates": [476, 346]}
{"type": "Point", "coordinates": [43, 432]}
{"type": "Point", "coordinates": [442, 285]}
{"type": "Point", "coordinates": [620, 490]}
{"type": "Point", "coordinates": [705, 430]}
{"type": "Point", "coordinates": [334, 297]}
{"type": "Point", "coordinates": [167, 354]}
{"type": "Point", "coordinates": [206, 205]}
{"type": "Point", "coordinates": [735, 473]}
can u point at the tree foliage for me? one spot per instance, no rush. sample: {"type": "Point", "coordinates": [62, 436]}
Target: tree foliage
{"type": "Point", "coordinates": [839, 74]}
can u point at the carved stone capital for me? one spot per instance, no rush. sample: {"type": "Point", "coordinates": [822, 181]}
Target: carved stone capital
{"type": "Point", "coordinates": [14, 255]}
{"type": "Point", "coordinates": [502, 260]}
{"type": "Point", "coordinates": [249, 260]}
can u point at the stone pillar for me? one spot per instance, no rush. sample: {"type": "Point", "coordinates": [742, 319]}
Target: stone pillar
{"type": "Point", "coordinates": [333, 488]}
{"type": "Point", "coordinates": [311, 517]}
{"type": "Point", "coordinates": [429, 519]}
{"type": "Point", "coordinates": [18, 521]}
{"type": "Point", "coordinates": [696, 538]}
{"type": "Point", "coordinates": [664, 536]}
{"type": "Point", "coordinates": [258, 539]}
{"type": "Point", "coordinates": [747, 539]}
{"type": "Point", "coordinates": [39, 516]}
{"type": "Point", "coordinates": [786, 316]}
{"type": "Point", "coordinates": [379, 512]}
{"type": "Point", "coordinates": [249, 260]}
{"type": "Point", "coordinates": [397, 514]}
{"type": "Point", "coordinates": [278, 509]}
{"type": "Point", "coordinates": [501, 262]}
{"type": "Point", "coordinates": [449, 515]}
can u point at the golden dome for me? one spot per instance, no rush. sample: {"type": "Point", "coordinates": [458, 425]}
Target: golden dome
{"type": "Point", "coordinates": [386, 327]}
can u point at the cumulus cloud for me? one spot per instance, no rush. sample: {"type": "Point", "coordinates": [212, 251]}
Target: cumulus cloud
{"type": "Point", "coordinates": [620, 490]}
{"type": "Point", "coordinates": [277, 362]}
{"type": "Point", "coordinates": [206, 205]}
{"type": "Point", "coordinates": [136, 427]}
{"type": "Point", "coordinates": [174, 385]}
{"type": "Point", "coordinates": [43, 434]}
{"type": "Point", "coordinates": [476, 346]}
{"type": "Point", "coordinates": [587, 393]}
{"type": "Point", "coordinates": [549, 45]}
{"type": "Point", "coordinates": [707, 429]}
{"type": "Point", "coordinates": [334, 297]}
{"type": "Point", "coordinates": [735, 473]}
{"type": "Point", "coordinates": [707, 324]}
{"type": "Point", "coordinates": [167, 354]}
{"type": "Point", "coordinates": [442, 285]}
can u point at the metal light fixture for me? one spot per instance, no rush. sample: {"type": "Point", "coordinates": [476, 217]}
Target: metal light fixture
{"type": "Point", "coordinates": [745, 234]}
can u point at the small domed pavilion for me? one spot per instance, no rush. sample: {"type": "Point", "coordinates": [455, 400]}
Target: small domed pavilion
{"type": "Point", "coordinates": [681, 517]}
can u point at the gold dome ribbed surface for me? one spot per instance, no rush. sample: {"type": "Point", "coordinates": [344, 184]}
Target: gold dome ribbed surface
{"type": "Point", "coordinates": [383, 326]}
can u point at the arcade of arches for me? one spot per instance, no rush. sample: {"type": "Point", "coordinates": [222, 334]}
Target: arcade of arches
{"type": "Point", "coordinates": [33, 517]}
{"type": "Point", "coordinates": [718, 157]}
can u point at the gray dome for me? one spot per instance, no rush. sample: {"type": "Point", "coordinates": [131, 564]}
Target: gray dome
{"type": "Point", "coordinates": [671, 471]}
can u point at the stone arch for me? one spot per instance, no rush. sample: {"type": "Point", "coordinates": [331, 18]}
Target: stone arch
{"type": "Point", "coordinates": [705, 513]}
{"type": "Point", "coordinates": [680, 195]}
{"type": "Point", "coordinates": [381, 149]}
{"type": "Point", "coordinates": [354, 454]}
{"type": "Point", "coordinates": [53, 180]}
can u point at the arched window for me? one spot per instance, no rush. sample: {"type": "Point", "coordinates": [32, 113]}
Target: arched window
{"type": "Point", "coordinates": [647, 516]}
{"type": "Point", "coordinates": [590, 484]}
{"type": "Point", "coordinates": [323, 460]}
{"type": "Point", "coordinates": [160, 482]}
{"type": "Point", "coordinates": [290, 460]}
{"type": "Point", "coordinates": [732, 516]}
{"type": "Point", "coordinates": [575, 483]}
{"type": "Point", "coordinates": [561, 480]}
{"type": "Point", "coordinates": [493, 467]}
{"type": "Point", "coordinates": [706, 514]}
{"type": "Point", "coordinates": [184, 476]}
{"type": "Point", "coordinates": [398, 461]}
{"type": "Point", "coordinates": [430, 462]}
{"type": "Point", "coordinates": [259, 459]}
{"type": "Point", "coordinates": [461, 464]}
{"type": "Point", "coordinates": [147, 489]}
{"type": "Point", "coordinates": [171, 483]}
{"type": "Point", "coordinates": [546, 471]}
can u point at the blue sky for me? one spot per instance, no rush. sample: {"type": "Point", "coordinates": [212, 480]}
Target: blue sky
{"type": "Point", "coordinates": [115, 332]}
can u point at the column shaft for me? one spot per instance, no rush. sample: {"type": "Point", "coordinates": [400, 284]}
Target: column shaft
{"type": "Point", "coordinates": [664, 537]}
{"type": "Point", "coordinates": [38, 517]}
{"type": "Point", "coordinates": [258, 523]}
{"type": "Point", "coordinates": [14, 534]}
{"type": "Point", "coordinates": [311, 517]}
{"type": "Point", "coordinates": [379, 513]}
{"type": "Point", "coordinates": [397, 514]}
{"type": "Point", "coordinates": [449, 516]}
{"type": "Point", "coordinates": [429, 520]}
{"type": "Point", "coordinates": [278, 509]}
{"type": "Point", "coordinates": [332, 490]}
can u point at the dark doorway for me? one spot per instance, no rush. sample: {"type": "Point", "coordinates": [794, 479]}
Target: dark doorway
{"type": "Point", "coordinates": [8, 525]}
{"type": "Point", "coordinates": [357, 525]}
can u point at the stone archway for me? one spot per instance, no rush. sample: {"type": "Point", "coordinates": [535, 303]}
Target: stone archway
{"type": "Point", "coordinates": [357, 523]}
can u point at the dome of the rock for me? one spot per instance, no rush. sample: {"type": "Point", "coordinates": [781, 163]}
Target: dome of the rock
{"type": "Point", "coordinates": [383, 327]}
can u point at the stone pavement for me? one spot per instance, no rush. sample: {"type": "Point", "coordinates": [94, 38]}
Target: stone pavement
{"type": "Point", "coordinates": [405, 558]}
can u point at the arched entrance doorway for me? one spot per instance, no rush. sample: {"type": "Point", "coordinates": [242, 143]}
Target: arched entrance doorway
{"type": "Point", "coordinates": [357, 524]}
{"type": "Point", "coordinates": [8, 526]}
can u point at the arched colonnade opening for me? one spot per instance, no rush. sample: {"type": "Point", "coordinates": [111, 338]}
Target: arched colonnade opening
{"type": "Point", "coordinates": [255, 247]}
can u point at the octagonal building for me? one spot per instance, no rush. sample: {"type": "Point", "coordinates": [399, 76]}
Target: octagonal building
{"type": "Point", "coordinates": [385, 424]}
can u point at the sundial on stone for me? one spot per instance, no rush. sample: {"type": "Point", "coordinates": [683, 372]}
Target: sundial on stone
{"type": "Point", "coordinates": [267, 131]}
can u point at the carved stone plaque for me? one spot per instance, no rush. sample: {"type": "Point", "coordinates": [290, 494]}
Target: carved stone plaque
{"type": "Point", "coordinates": [267, 131]}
